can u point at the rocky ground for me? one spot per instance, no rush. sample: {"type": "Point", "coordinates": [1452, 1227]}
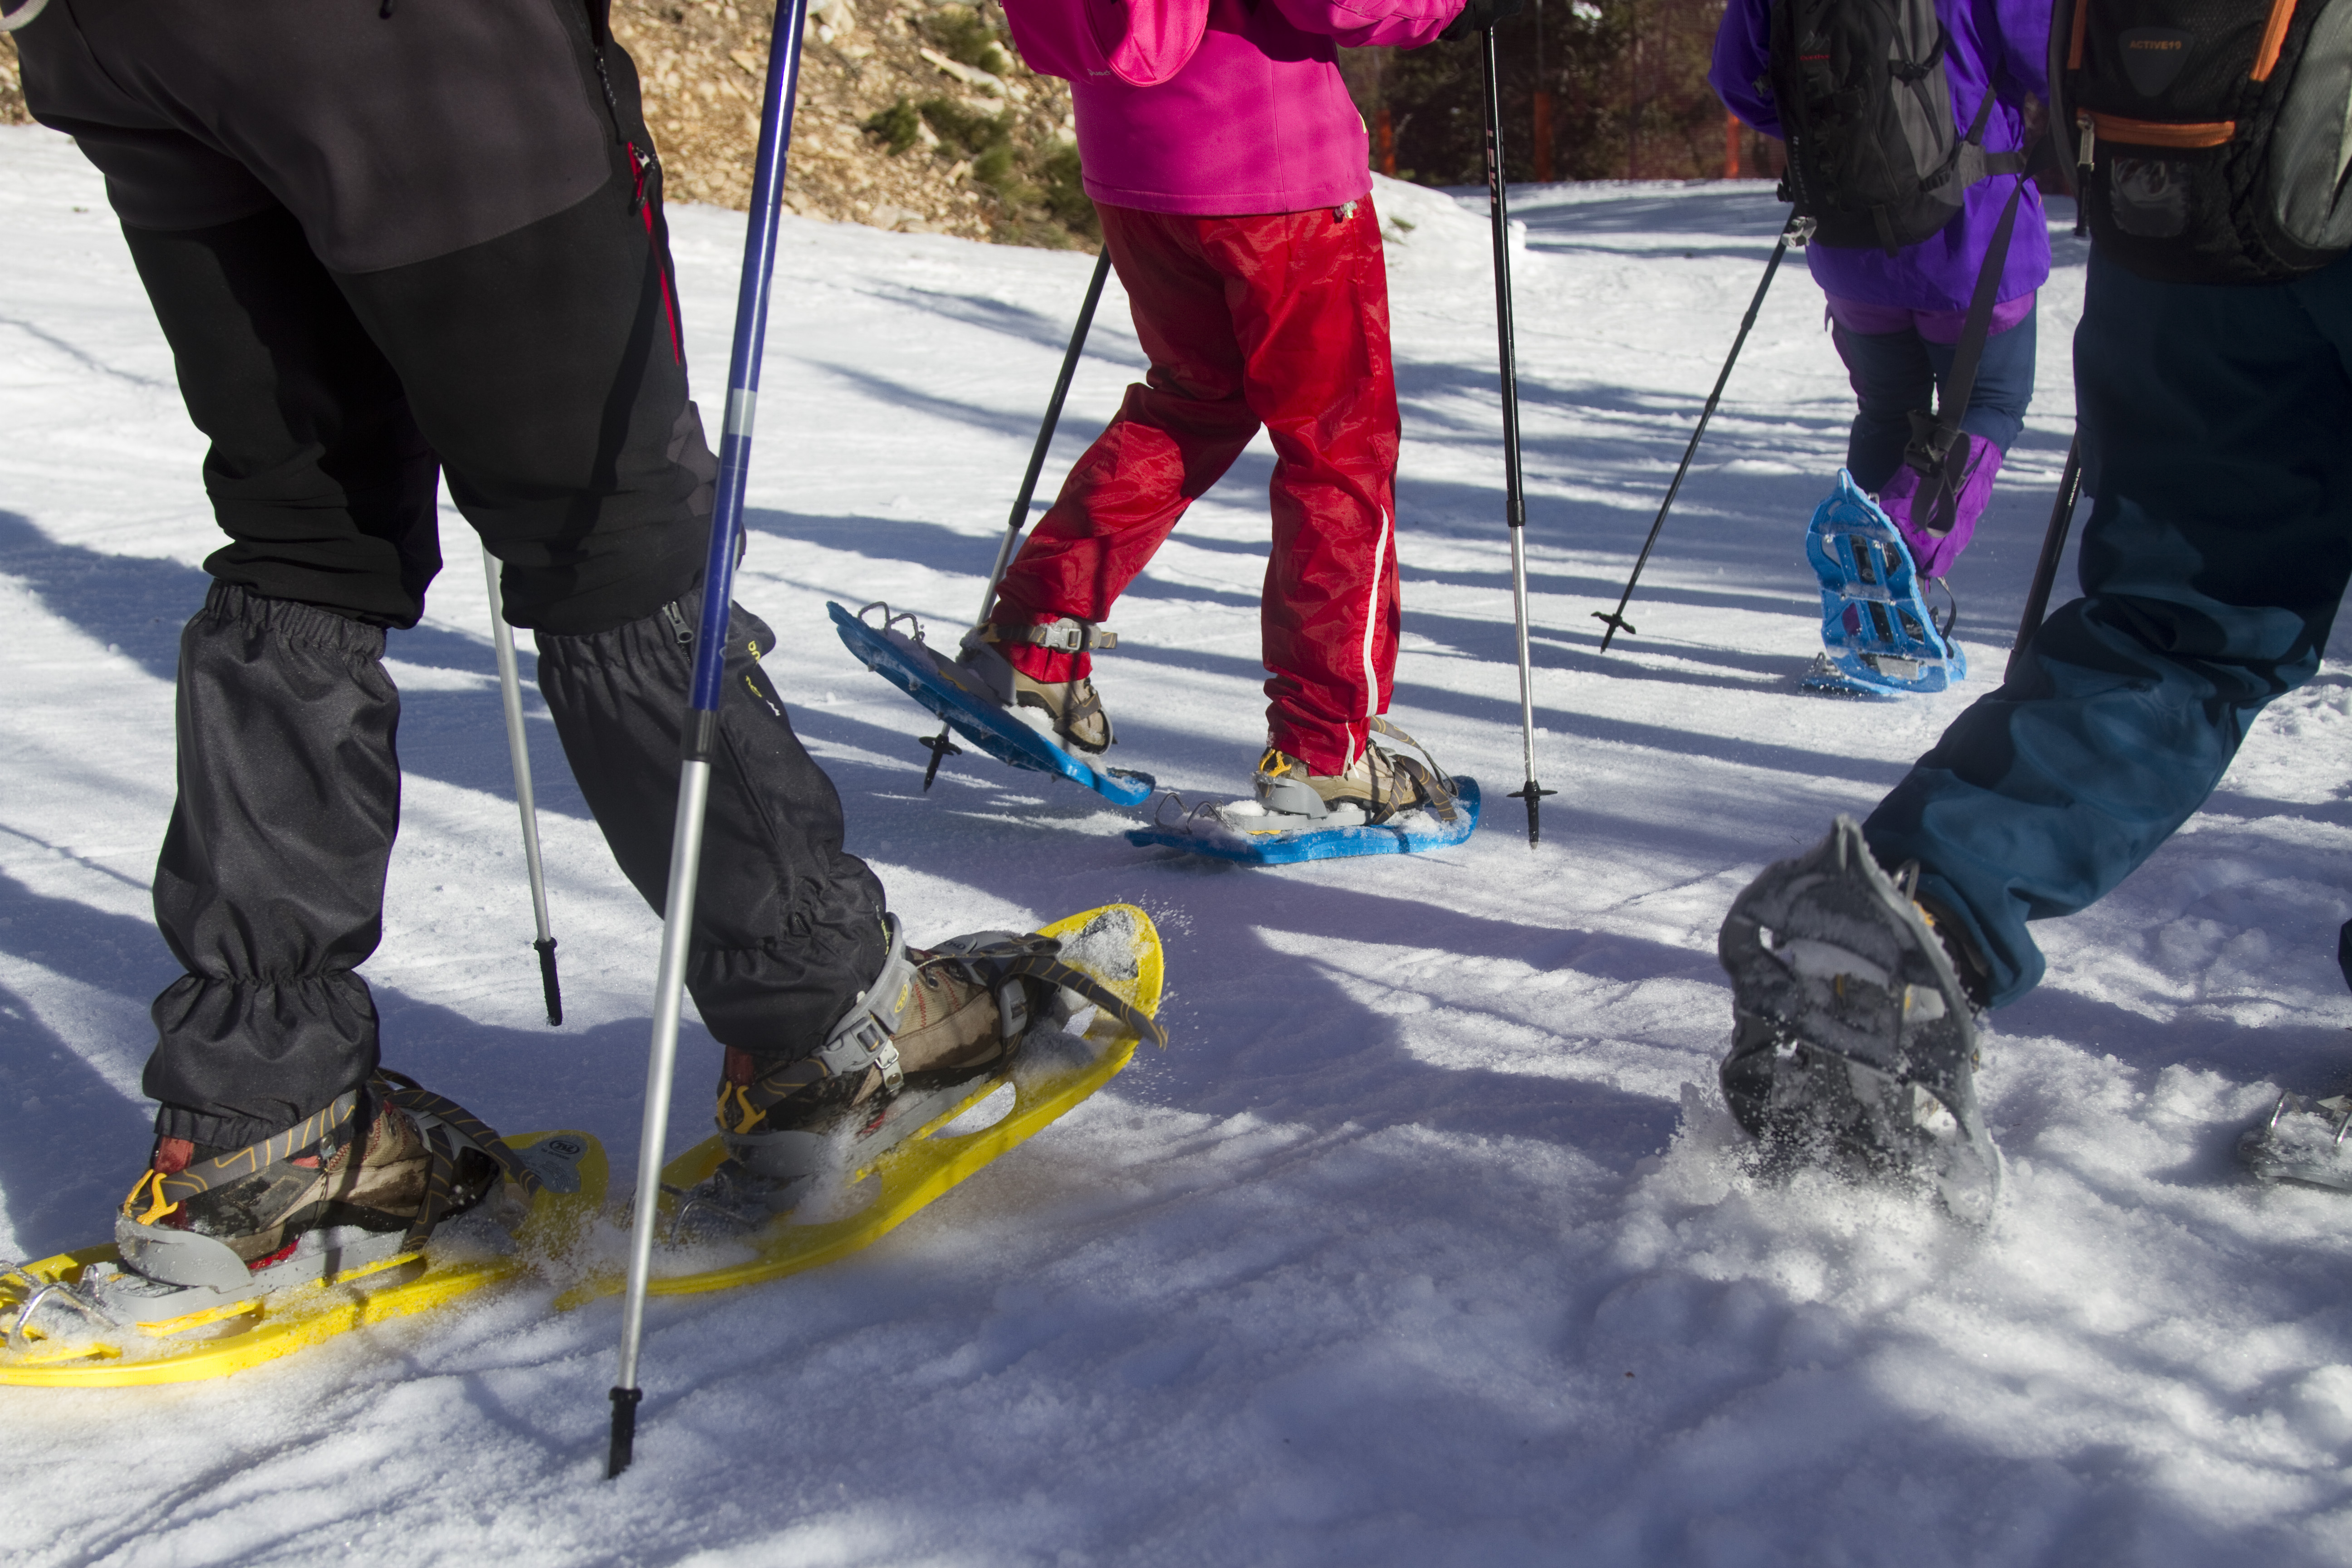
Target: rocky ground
{"type": "Point", "coordinates": [912, 116]}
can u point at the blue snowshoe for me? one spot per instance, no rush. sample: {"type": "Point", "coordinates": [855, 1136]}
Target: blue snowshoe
{"type": "Point", "coordinates": [1878, 636]}
{"type": "Point", "coordinates": [960, 693]}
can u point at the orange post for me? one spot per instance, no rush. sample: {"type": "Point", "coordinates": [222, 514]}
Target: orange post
{"type": "Point", "coordinates": [1730, 146]}
{"type": "Point", "coordinates": [1384, 141]}
{"type": "Point", "coordinates": [1542, 138]}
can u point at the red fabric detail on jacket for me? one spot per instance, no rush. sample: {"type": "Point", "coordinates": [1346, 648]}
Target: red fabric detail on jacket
{"type": "Point", "coordinates": [1280, 319]}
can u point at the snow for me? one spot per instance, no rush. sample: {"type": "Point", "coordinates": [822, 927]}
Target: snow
{"type": "Point", "coordinates": [1424, 1242]}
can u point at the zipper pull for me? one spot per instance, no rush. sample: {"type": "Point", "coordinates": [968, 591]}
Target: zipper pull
{"type": "Point", "coordinates": [677, 626]}
{"type": "Point", "coordinates": [2083, 158]}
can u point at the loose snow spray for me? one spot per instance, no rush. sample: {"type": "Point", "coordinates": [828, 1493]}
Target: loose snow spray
{"type": "Point", "coordinates": [702, 708]}
{"type": "Point", "coordinates": [1514, 495]}
{"type": "Point", "coordinates": [939, 745]}
{"type": "Point", "coordinates": [1797, 231]}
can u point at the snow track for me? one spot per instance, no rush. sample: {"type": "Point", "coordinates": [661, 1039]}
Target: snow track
{"type": "Point", "coordinates": [1420, 1245]}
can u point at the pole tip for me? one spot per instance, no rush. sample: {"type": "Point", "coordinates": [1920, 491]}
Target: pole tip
{"type": "Point", "coordinates": [549, 985]}
{"type": "Point", "coordinates": [625, 1430]}
{"type": "Point", "coordinates": [1533, 794]}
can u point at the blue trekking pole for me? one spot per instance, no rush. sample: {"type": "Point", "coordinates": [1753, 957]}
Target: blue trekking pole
{"type": "Point", "coordinates": [702, 706]}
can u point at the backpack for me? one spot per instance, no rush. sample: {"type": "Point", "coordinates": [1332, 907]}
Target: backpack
{"type": "Point", "coordinates": [2211, 137]}
{"type": "Point", "coordinates": [1867, 111]}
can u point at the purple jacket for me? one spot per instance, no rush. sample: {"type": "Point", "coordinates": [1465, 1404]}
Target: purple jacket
{"type": "Point", "coordinates": [1217, 107]}
{"type": "Point", "coordinates": [2003, 42]}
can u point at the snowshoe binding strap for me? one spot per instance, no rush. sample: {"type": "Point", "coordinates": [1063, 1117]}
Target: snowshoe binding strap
{"type": "Point", "coordinates": [860, 1043]}
{"type": "Point", "coordinates": [167, 1190]}
{"type": "Point", "coordinates": [1433, 785]}
{"type": "Point", "coordinates": [1003, 961]}
{"type": "Point", "coordinates": [1067, 635]}
{"type": "Point", "coordinates": [891, 618]}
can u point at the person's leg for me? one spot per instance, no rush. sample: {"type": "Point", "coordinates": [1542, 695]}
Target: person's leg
{"type": "Point", "coordinates": [544, 368]}
{"type": "Point", "coordinates": [1174, 436]}
{"type": "Point", "coordinates": [1890, 378]}
{"type": "Point", "coordinates": [1998, 399]}
{"type": "Point", "coordinates": [2004, 389]}
{"type": "Point", "coordinates": [540, 354]}
{"type": "Point", "coordinates": [2217, 432]}
{"type": "Point", "coordinates": [1310, 308]}
{"type": "Point", "coordinates": [270, 883]}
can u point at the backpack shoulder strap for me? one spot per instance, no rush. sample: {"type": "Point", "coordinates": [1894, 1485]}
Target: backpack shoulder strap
{"type": "Point", "coordinates": [1932, 435]}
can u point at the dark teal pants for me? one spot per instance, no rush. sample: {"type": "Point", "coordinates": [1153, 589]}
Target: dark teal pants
{"type": "Point", "coordinates": [2217, 431]}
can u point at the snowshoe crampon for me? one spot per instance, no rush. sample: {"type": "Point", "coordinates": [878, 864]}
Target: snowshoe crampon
{"type": "Point", "coordinates": [2303, 1142]}
{"type": "Point", "coordinates": [1445, 811]}
{"type": "Point", "coordinates": [1854, 1045]}
{"type": "Point", "coordinates": [83, 1319]}
{"type": "Point", "coordinates": [1878, 636]}
{"type": "Point", "coordinates": [869, 1177]}
{"type": "Point", "coordinates": [957, 696]}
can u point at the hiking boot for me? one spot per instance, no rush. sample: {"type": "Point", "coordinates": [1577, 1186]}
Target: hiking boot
{"type": "Point", "coordinates": [937, 1027]}
{"type": "Point", "coordinates": [1375, 784]}
{"type": "Point", "coordinates": [330, 1171]}
{"type": "Point", "coordinates": [1069, 710]}
{"type": "Point", "coordinates": [1072, 708]}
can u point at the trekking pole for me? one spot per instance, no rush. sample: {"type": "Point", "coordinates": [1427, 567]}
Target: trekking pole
{"type": "Point", "coordinates": [702, 706]}
{"type": "Point", "coordinates": [1514, 495]}
{"type": "Point", "coordinates": [2053, 551]}
{"type": "Point", "coordinates": [518, 753]}
{"type": "Point", "coordinates": [1797, 229]}
{"type": "Point", "coordinates": [939, 745]}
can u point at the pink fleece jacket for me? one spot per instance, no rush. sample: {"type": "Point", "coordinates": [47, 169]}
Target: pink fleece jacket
{"type": "Point", "coordinates": [1217, 107]}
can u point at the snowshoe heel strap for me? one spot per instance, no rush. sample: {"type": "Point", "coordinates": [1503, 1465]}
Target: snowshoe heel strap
{"type": "Point", "coordinates": [1442, 795]}
{"type": "Point", "coordinates": [1048, 967]}
{"type": "Point", "coordinates": [466, 1129]}
{"type": "Point", "coordinates": [166, 1191]}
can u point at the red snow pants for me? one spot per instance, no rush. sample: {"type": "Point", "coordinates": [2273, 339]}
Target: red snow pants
{"type": "Point", "coordinates": [1280, 320]}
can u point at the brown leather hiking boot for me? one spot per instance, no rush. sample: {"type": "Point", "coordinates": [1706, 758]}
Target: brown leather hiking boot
{"type": "Point", "coordinates": [377, 1179]}
{"type": "Point", "coordinates": [951, 1025]}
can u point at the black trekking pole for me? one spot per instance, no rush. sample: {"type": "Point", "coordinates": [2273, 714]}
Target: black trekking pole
{"type": "Point", "coordinates": [519, 755]}
{"type": "Point", "coordinates": [1514, 494]}
{"type": "Point", "coordinates": [1797, 229]}
{"type": "Point", "coordinates": [2053, 551]}
{"type": "Point", "coordinates": [702, 705]}
{"type": "Point", "coordinates": [939, 745]}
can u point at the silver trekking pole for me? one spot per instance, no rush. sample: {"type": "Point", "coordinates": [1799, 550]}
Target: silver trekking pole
{"type": "Point", "coordinates": [702, 705]}
{"type": "Point", "coordinates": [939, 745]}
{"type": "Point", "coordinates": [518, 753]}
{"type": "Point", "coordinates": [1498, 209]}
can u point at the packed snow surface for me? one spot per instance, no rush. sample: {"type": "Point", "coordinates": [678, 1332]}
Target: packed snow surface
{"type": "Point", "coordinates": [1426, 1241]}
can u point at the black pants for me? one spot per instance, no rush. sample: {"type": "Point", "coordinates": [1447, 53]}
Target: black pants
{"type": "Point", "coordinates": [387, 243]}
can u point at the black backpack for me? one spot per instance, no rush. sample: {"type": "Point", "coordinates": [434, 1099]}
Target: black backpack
{"type": "Point", "coordinates": [1874, 159]}
{"type": "Point", "coordinates": [2211, 137]}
